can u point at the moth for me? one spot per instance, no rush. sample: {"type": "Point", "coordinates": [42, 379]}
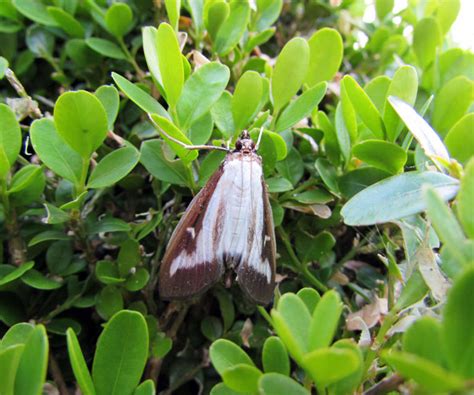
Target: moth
{"type": "Point", "coordinates": [227, 226]}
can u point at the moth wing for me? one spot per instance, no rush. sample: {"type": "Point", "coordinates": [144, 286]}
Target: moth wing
{"type": "Point", "coordinates": [189, 265]}
{"type": "Point", "coordinates": [256, 274]}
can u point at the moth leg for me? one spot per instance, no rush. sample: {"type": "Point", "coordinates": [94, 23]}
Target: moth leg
{"type": "Point", "coordinates": [184, 145]}
{"type": "Point", "coordinates": [259, 139]}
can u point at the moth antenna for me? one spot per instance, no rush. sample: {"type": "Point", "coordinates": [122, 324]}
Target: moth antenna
{"type": "Point", "coordinates": [259, 139]}
{"type": "Point", "coordinates": [184, 145]}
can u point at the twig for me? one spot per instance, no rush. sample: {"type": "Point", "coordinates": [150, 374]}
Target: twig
{"type": "Point", "coordinates": [385, 386]}
{"type": "Point", "coordinates": [57, 375]}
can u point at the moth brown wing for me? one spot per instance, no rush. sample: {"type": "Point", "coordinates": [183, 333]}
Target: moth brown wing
{"type": "Point", "coordinates": [256, 285]}
{"type": "Point", "coordinates": [191, 276]}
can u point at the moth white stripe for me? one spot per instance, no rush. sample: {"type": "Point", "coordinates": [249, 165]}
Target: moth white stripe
{"type": "Point", "coordinates": [233, 223]}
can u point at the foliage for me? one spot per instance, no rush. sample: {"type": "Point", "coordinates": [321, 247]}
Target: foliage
{"type": "Point", "coordinates": [368, 156]}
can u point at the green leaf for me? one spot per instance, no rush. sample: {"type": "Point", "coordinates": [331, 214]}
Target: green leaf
{"type": "Point", "coordinates": [9, 361]}
{"type": "Point", "coordinates": [106, 48]}
{"type": "Point", "coordinates": [465, 198]}
{"type": "Point", "coordinates": [201, 130]}
{"type": "Point", "coordinates": [364, 107]}
{"type": "Point", "coordinates": [17, 334]}
{"type": "Point", "coordinates": [301, 107]}
{"type": "Point", "coordinates": [159, 166]}
{"type": "Point", "coordinates": [3, 66]}
{"type": "Point", "coordinates": [275, 357]}
{"type": "Point", "coordinates": [119, 360]}
{"type": "Point", "coordinates": [325, 320]}
{"type": "Point", "coordinates": [426, 373]}
{"type": "Point", "coordinates": [215, 14]}
{"type": "Point", "coordinates": [211, 327]}
{"type": "Point", "coordinates": [168, 127]}
{"type": "Point", "coordinates": [201, 90]}
{"type": "Point", "coordinates": [278, 184]}
{"type": "Point", "coordinates": [327, 173]}
{"type": "Point", "coordinates": [442, 218]}
{"type": "Point", "coordinates": [460, 139]}
{"type": "Point", "coordinates": [404, 85]}
{"type": "Point", "coordinates": [107, 272]}
{"type": "Point", "coordinates": [118, 19]}
{"type": "Point", "coordinates": [342, 133]}
{"type": "Point", "coordinates": [381, 154]}
{"type": "Point", "coordinates": [423, 338]}
{"type": "Point", "coordinates": [224, 354]}
{"type": "Point", "coordinates": [232, 28]}
{"type": "Point", "coordinates": [108, 302]}
{"type": "Point", "coordinates": [24, 178]}
{"type": "Point", "coordinates": [325, 55]}
{"type": "Point", "coordinates": [226, 306]}
{"type": "Point", "coordinates": [415, 289]}
{"type": "Point", "coordinates": [383, 8]}
{"type": "Point", "coordinates": [279, 384]}
{"type": "Point", "coordinates": [83, 134]}
{"type": "Point", "coordinates": [150, 49]}
{"type": "Point", "coordinates": [31, 373]}
{"type": "Point", "coordinates": [109, 97]}
{"type": "Point", "coordinates": [36, 279]}
{"type": "Point", "coordinates": [129, 256]}
{"type": "Point", "coordinates": [66, 21]}
{"type": "Point", "coordinates": [313, 196]}
{"type": "Point", "coordinates": [172, 9]}
{"type": "Point", "coordinates": [426, 39]}
{"type": "Point", "coordinates": [292, 321]}
{"type": "Point", "coordinates": [16, 273]}
{"type": "Point", "coordinates": [47, 236]}
{"type": "Point", "coordinates": [310, 297]}
{"type": "Point", "coordinates": [34, 10]}
{"type": "Point", "coordinates": [221, 113]}
{"type": "Point", "coordinates": [209, 165]}
{"type": "Point", "coordinates": [292, 167]}
{"type": "Point", "coordinates": [10, 134]}
{"type": "Point", "coordinates": [139, 96]}
{"type": "Point", "coordinates": [404, 191]}
{"type": "Point", "coordinates": [447, 13]}
{"type": "Point", "coordinates": [12, 310]}
{"type": "Point", "coordinates": [457, 317]}
{"type": "Point", "coordinates": [246, 99]}
{"type": "Point", "coordinates": [377, 90]}
{"type": "Point", "coordinates": [113, 167]}
{"type": "Point", "coordinates": [137, 280]}
{"type": "Point", "coordinates": [145, 388]}
{"type": "Point", "coordinates": [78, 364]}
{"type": "Point", "coordinates": [55, 215]}
{"type": "Point", "coordinates": [329, 365]}
{"type": "Point", "coordinates": [451, 103]}
{"type": "Point", "coordinates": [259, 39]}
{"type": "Point", "coordinates": [429, 140]}
{"type": "Point", "coordinates": [242, 378]}
{"type": "Point", "coordinates": [268, 12]}
{"type": "Point", "coordinates": [290, 71]}
{"type": "Point", "coordinates": [350, 383]}
{"type": "Point", "coordinates": [170, 63]}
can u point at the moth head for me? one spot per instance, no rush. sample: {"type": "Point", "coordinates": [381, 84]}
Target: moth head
{"type": "Point", "coordinates": [244, 143]}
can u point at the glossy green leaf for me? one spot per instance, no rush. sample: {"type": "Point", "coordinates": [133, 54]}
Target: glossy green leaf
{"type": "Point", "coordinates": [268, 12]}
{"type": "Point", "coordinates": [83, 134]}
{"type": "Point", "coordinates": [415, 289]}
{"type": "Point", "coordinates": [145, 388]}
{"type": "Point", "coordinates": [201, 90]}
{"type": "Point", "coordinates": [139, 96]}
{"type": "Point", "coordinates": [428, 374]}
{"type": "Point", "coordinates": [404, 191]}
{"type": "Point", "coordinates": [350, 383]}
{"type": "Point", "coordinates": [457, 334]}
{"type": "Point", "coordinates": [113, 167]}
{"type": "Point", "coordinates": [465, 199]}
{"type": "Point", "coordinates": [106, 48]}
{"type": "Point", "coordinates": [66, 21]}
{"type": "Point", "coordinates": [107, 272]}
{"type": "Point", "coordinates": [3, 66]}
{"type": "Point", "coordinates": [109, 97]}
{"type": "Point", "coordinates": [17, 334]}
{"type": "Point", "coordinates": [12, 310]}
{"type": "Point", "coordinates": [342, 133]}
{"type": "Point", "coordinates": [242, 378]}
{"type": "Point", "coordinates": [221, 113]}
{"type": "Point", "coordinates": [35, 10]}
{"type": "Point", "coordinates": [383, 8]}
{"type": "Point", "coordinates": [209, 165]}
{"type": "Point", "coordinates": [215, 13]}
{"type": "Point", "coordinates": [325, 55]}
{"type": "Point", "coordinates": [290, 71]}
{"type": "Point", "coordinates": [164, 124]}
{"type": "Point", "coordinates": [377, 90]}
{"type": "Point", "coordinates": [108, 302]}
{"type": "Point", "coordinates": [259, 39]}
{"type": "Point", "coordinates": [160, 166]}
{"type": "Point", "coordinates": [16, 273]}
{"type": "Point", "coordinates": [232, 28]}
{"type": "Point", "coordinates": [246, 99]}
{"type": "Point", "coordinates": [404, 85]}
{"type": "Point", "coordinates": [327, 173]}
{"type": "Point", "coordinates": [78, 364]}
{"type": "Point", "coordinates": [137, 280]}
{"type": "Point", "coordinates": [150, 50]}
{"type": "Point", "coordinates": [451, 103]}
{"type": "Point", "coordinates": [291, 167]}
{"type": "Point", "coordinates": [172, 9]}
{"type": "Point", "coordinates": [275, 357]}
{"type": "Point", "coordinates": [460, 139]}
{"type": "Point", "coordinates": [9, 361]}
{"type": "Point", "coordinates": [279, 384]}
{"type": "Point", "coordinates": [381, 154]}
{"type": "Point", "coordinates": [119, 360]}
{"type": "Point", "coordinates": [364, 107]}
{"type": "Point", "coordinates": [329, 365]}
{"type": "Point", "coordinates": [310, 297]}
{"type": "Point", "coordinates": [426, 40]}
{"type": "Point", "coordinates": [224, 355]}
{"type": "Point", "coordinates": [31, 373]}
{"type": "Point", "coordinates": [301, 107]}
{"type": "Point", "coordinates": [324, 321]}
{"type": "Point", "coordinates": [170, 63]}
{"type": "Point", "coordinates": [447, 13]}
{"type": "Point", "coordinates": [211, 327]}
{"type": "Point", "coordinates": [118, 19]}
{"type": "Point", "coordinates": [278, 184]}
{"type": "Point", "coordinates": [36, 279]}
{"type": "Point", "coordinates": [10, 134]}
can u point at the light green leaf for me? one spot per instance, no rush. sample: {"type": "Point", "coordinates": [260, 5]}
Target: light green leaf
{"type": "Point", "coordinates": [172, 9]}
{"type": "Point", "coordinates": [118, 19]}
{"type": "Point", "coordinates": [268, 12]}
{"type": "Point", "coordinates": [145, 388]}
{"type": "Point", "coordinates": [84, 134]}
{"type": "Point", "coordinates": [113, 167]}
{"type": "Point", "coordinates": [78, 364]}
{"type": "Point", "coordinates": [324, 321]}
{"type": "Point", "coordinates": [290, 71]}
{"type": "Point", "coordinates": [170, 63]}
{"type": "Point", "coordinates": [242, 378]}
{"type": "Point", "coordinates": [404, 191]}
{"type": "Point", "coordinates": [232, 28]}
{"type": "Point", "coordinates": [16, 273]}
{"type": "Point", "coordinates": [221, 113]}
{"type": "Point", "coordinates": [278, 184]}
{"type": "Point", "coordinates": [201, 90]}
{"type": "Point", "coordinates": [426, 40]}
{"type": "Point", "coordinates": [460, 139]}
{"type": "Point", "coordinates": [36, 279]}
{"type": "Point", "coordinates": [275, 357]}
{"type": "Point", "coordinates": [447, 13]}
{"type": "Point", "coordinates": [106, 48]}
{"type": "Point", "coordinates": [381, 154]}
{"type": "Point", "coordinates": [9, 361]}
{"type": "Point", "coordinates": [325, 56]}
{"type": "Point", "coordinates": [279, 384]}
{"type": "Point", "coordinates": [10, 134]}
{"type": "Point", "coordinates": [342, 133]}
{"type": "Point", "coordinates": [150, 50]}
{"type": "Point", "coordinates": [383, 8]}
{"type": "Point", "coordinates": [215, 13]}
{"type": "Point", "coordinates": [66, 21]}
{"type": "Point", "coordinates": [224, 355]}
{"type": "Point", "coordinates": [109, 97]}
{"type": "Point", "coordinates": [34, 10]}
{"type": "Point", "coordinates": [108, 302]}
{"type": "Point", "coordinates": [119, 360]}
{"type": "Point", "coordinates": [246, 99]}
{"type": "Point", "coordinates": [465, 199]}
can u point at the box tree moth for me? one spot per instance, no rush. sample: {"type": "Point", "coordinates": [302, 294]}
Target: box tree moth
{"type": "Point", "coordinates": [228, 225]}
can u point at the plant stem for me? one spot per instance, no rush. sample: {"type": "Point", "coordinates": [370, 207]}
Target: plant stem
{"type": "Point", "coordinates": [131, 59]}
